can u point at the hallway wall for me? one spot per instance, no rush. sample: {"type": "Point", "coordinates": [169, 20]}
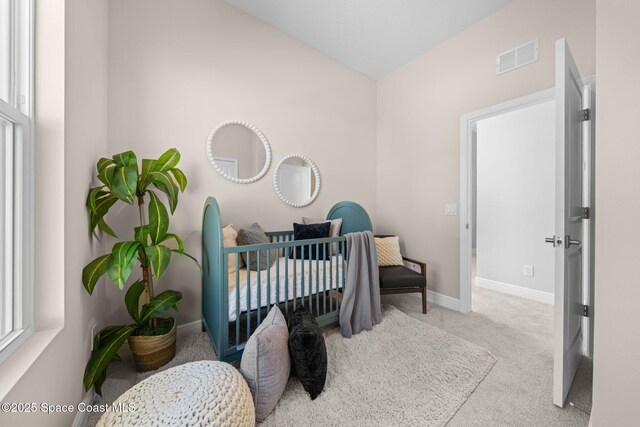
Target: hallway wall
{"type": "Point", "coordinates": [516, 201]}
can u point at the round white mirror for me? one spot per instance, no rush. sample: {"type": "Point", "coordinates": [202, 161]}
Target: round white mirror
{"type": "Point", "coordinates": [296, 180]}
{"type": "Point", "coordinates": [239, 152]}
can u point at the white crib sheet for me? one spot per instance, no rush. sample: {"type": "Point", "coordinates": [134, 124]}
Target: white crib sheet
{"type": "Point", "coordinates": [331, 268]}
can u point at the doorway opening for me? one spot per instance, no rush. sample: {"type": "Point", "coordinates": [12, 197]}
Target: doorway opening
{"type": "Point", "coordinates": [513, 204]}
{"type": "Point", "coordinates": [492, 139]}
{"type": "Point", "coordinates": [528, 107]}
{"type": "Point", "coordinates": [506, 182]}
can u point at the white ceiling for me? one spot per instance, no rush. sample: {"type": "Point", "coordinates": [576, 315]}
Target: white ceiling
{"type": "Point", "coordinates": [373, 36]}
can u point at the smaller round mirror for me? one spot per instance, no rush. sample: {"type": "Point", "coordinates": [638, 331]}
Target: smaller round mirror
{"type": "Point", "coordinates": [296, 180]}
{"type": "Point", "coordinates": [239, 152]}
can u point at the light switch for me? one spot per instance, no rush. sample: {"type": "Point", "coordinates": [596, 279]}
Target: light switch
{"type": "Point", "coordinates": [451, 210]}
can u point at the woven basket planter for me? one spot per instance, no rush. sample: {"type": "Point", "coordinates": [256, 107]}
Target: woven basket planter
{"type": "Point", "coordinates": [152, 352]}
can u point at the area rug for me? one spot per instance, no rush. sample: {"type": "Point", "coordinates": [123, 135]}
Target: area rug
{"type": "Point", "coordinates": [403, 372]}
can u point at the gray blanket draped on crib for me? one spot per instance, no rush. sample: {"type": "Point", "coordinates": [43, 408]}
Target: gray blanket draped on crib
{"type": "Point", "coordinates": [360, 308]}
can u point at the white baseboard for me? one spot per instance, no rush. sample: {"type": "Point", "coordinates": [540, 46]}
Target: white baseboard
{"type": "Point", "coordinates": [443, 300]}
{"type": "Point", "coordinates": [519, 291]}
{"type": "Point", "coordinates": [181, 330]}
{"type": "Point", "coordinates": [82, 418]}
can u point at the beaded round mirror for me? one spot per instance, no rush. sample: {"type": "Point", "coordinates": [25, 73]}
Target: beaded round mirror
{"type": "Point", "coordinates": [296, 180]}
{"type": "Point", "coordinates": [239, 152]}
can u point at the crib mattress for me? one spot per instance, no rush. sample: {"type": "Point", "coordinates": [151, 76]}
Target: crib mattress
{"type": "Point", "coordinates": [297, 283]}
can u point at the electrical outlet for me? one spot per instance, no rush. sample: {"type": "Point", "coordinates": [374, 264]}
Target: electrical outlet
{"type": "Point", "coordinates": [92, 331]}
{"type": "Point", "coordinates": [451, 210]}
{"type": "Point", "coordinates": [528, 270]}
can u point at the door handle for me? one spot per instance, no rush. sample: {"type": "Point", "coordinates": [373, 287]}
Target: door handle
{"type": "Point", "coordinates": [555, 241]}
{"type": "Point", "coordinates": [570, 242]}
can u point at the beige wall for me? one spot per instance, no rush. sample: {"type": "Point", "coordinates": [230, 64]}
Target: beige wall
{"type": "Point", "coordinates": [178, 68]}
{"type": "Point", "coordinates": [71, 129]}
{"type": "Point", "coordinates": [617, 292]}
{"type": "Point", "coordinates": [419, 109]}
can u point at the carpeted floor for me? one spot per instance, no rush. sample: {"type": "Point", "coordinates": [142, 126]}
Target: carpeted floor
{"type": "Point", "coordinates": [402, 372]}
{"type": "Point", "coordinates": [519, 332]}
{"type": "Point", "coordinates": [516, 392]}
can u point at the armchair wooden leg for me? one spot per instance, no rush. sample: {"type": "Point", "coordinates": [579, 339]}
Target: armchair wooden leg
{"type": "Point", "coordinates": [424, 300]}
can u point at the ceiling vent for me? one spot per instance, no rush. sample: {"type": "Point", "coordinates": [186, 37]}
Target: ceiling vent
{"type": "Point", "coordinates": [517, 57]}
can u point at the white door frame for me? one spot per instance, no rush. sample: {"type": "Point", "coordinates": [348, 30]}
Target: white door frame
{"type": "Point", "coordinates": [467, 122]}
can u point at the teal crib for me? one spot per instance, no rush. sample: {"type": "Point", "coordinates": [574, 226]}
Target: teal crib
{"type": "Point", "coordinates": [233, 305]}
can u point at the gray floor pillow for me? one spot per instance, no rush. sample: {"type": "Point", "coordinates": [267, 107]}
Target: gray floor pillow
{"type": "Point", "coordinates": [266, 364]}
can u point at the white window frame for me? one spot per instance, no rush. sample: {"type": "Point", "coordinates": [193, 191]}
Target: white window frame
{"type": "Point", "coordinates": [17, 177]}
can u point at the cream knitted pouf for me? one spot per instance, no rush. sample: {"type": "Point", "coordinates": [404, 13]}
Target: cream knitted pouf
{"type": "Point", "coordinates": [194, 394]}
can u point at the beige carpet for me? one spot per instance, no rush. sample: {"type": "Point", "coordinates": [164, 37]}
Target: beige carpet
{"type": "Point", "coordinates": [518, 390]}
{"type": "Point", "coordinates": [403, 372]}
{"type": "Point", "coordinates": [519, 332]}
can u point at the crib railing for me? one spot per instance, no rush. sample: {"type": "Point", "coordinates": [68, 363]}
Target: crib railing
{"type": "Point", "coordinates": [280, 236]}
{"type": "Point", "coordinates": [319, 289]}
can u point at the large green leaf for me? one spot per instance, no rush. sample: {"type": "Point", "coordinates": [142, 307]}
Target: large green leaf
{"type": "Point", "coordinates": [159, 256]}
{"type": "Point", "coordinates": [178, 240]}
{"type": "Point", "coordinates": [97, 385]}
{"type": "Point", "coordinates": [105, 353]}
{"type": "Point", "coordinates": [93, 271]}
{"type": "Point", "coordinates": [96, 194]}
{"type": "Point", "coordinates": [105, 334]}
{"type": "Point", "coordinates": [141, 234]}
{"type": "Point", "coordinates": [158, 219]}
{"type": "Point", "coordinates": [168, 160]}
{"type": "Point", "coordinates": [106, 176]}
{"type": "Point", "coordinates": [123, 258]}
{"type": "Point", "coordinates": [132, 300]}
{"type": "Point", "coordinates": [116, 357]}
{"type": "Point", "coordinates": [148, 165]}
{"type": "Point", "coordinates": [164, 182]}
{"type": "Point", "coordinates": [126, 159]}
{"type": "Point", "coordinates": [102, 225]}
{"type": "Point", "coordinates": [159, 304]}
{"type": "Point", "coordinates": [104, 163]}
{"type": "Point", "coordinates": [180, 177]}
{"type": "Point", "coordinates": [99, 201]}
{"type": "Point", "coordinates": [125, 183]}
{"type": "Point", "coordinates": [183, 253]}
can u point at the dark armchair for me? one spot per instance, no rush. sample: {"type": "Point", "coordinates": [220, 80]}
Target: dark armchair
{"type": "Point", "coordinates": [404, 279]}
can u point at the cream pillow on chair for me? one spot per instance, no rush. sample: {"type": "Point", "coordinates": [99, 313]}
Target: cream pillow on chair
{"type": "Point", "coordinates": [388, 251]}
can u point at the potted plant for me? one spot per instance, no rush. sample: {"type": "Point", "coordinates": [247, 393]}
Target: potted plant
{"type": "Point", "coordinates": [151, 338]}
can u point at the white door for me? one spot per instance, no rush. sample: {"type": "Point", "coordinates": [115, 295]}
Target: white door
{"type": "Point", "coordinates": [295, 182]}
{"type": "Point", "coordinates": [568, 222]}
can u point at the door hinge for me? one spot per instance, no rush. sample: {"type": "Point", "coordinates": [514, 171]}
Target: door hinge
{"type": "Point", "coordinates": [586, 213]}
{"type": "Point", "coordinates": [585, 115]}
{"type": "Point", "coordinates": [584, 310]}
